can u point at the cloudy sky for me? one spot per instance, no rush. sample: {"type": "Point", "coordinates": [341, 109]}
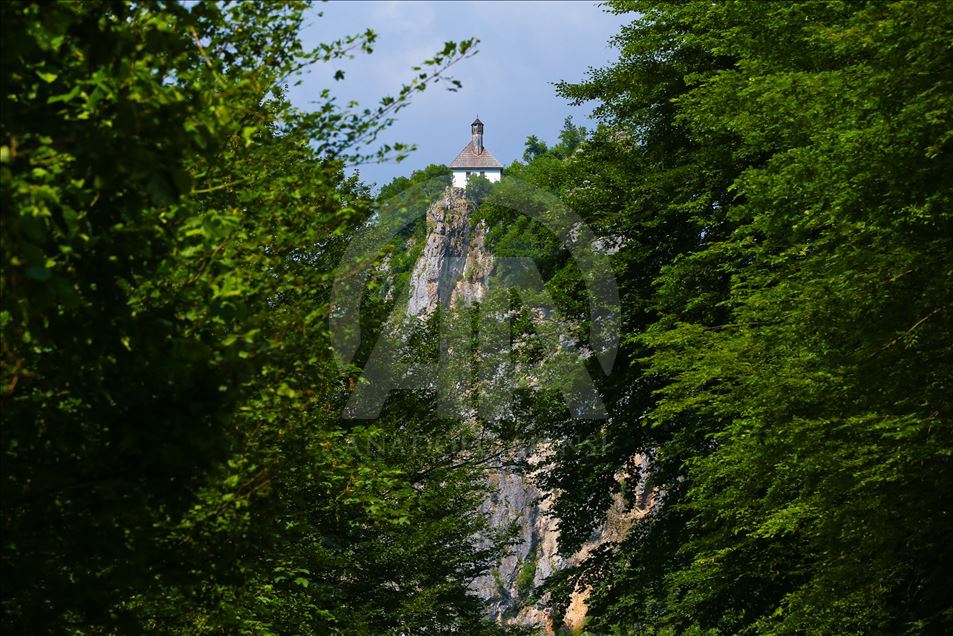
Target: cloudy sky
{"type": "Point", "coordinates": [524, 48]}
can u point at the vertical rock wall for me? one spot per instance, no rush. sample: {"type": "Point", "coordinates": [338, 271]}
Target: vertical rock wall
{"type": "Point", "coordinates": [455, 264]}
{"type": "Point", "coordinates": [454, 269]}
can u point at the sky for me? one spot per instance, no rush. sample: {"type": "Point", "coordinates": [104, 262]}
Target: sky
{"type": "Point", "coordinates": [524, 48]}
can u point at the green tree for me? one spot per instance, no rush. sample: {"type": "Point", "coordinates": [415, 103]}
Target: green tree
{"type": "Point", "coordinates": [432, 180]}
{"type": "Point", "coordinates": [534, 148]}
{"type": "Point", "coordinates": [173, 454]}
{"type": "Point", "coordinates": [478, 188]}
{"type": "Point", "coordinates": [778, 177]}
{"type": "Point", "coordinates": [570, 138]}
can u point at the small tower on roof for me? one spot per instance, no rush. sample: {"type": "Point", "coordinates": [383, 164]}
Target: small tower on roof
{"type": "Point", "coordinates": [476, 131]}
{"type": "Point", "coordinates": [475, 159]}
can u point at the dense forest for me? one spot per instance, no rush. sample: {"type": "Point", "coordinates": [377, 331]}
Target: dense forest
{"type": "Point", "coordinates": [776, 180]}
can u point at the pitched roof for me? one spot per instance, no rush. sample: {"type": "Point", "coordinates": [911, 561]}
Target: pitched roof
{"type": "Point", "coordinates": [468, 158]}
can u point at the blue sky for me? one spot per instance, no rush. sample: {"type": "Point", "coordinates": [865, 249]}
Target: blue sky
{"type": "Point", "coordinates": [524, 48]}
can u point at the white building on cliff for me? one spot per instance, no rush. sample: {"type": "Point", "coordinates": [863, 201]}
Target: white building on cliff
{"type": "Point", "coordinates": [475, 159]}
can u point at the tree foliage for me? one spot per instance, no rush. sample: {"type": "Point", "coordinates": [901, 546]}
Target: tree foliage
{"type": "Point", "coordinates": [778, 178]}
{"type": "Point", "coordinates": [173, 454]}
{"type": "Point", "coordinates": [432, 181]}
{"type": "Point", "coordinates": [772, 182]}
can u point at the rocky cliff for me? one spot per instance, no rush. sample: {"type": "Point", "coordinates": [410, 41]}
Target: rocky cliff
{"type": "Point", "coordinates": [455, 265]}
{"type": "Point", "coordinates": [454, 269]}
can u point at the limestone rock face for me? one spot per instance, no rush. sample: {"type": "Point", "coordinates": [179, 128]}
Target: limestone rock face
{"type": "Point", "coordinates": [515, 498]}
{"type": "Point", "coordinates": [455, 264]}
{"type": "Point", "coordinates": [454, 270]}
{"type": "Point", "coordinates": [476, 269]}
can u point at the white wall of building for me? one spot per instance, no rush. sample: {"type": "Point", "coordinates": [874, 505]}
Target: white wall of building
{"type": "Point", "coordinates": [460, 176]}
